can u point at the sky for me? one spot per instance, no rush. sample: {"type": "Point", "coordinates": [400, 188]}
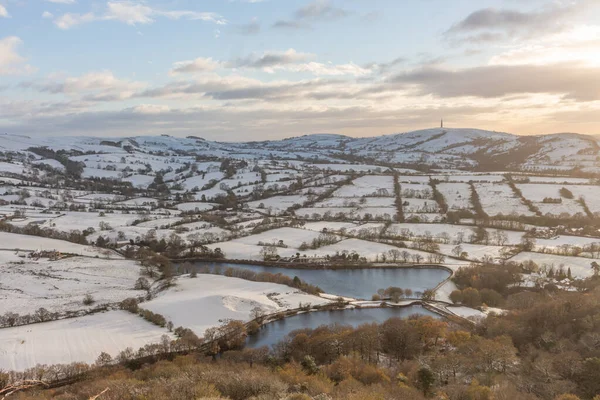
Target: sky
{"type": "Point", "coordinates": [237, 70]}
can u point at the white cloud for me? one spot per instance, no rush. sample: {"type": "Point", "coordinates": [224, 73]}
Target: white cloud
{"type": "Point", "coordinates": [580, 44]}
{"type": "Point", "coordinates": [11, 63]}
{"type": "Point", "coordinates": [69, 20]}
{"type": "Point", "coordinates": [129, 13]}
{"type": "Point", "coordinates": [47, 14]}
{"type": "Point", "coordinates": [200, 64]}
{"type": "Point", "coordinates": [321, 69]}
{"type": "Point", "coordinates": [94, 86]}
{"type": "Point", "coordinates": [3, 12]}
{"type": "Point", "coordinates": [134, 13]}
{"type": "Point", "coordinates": [150, 109]}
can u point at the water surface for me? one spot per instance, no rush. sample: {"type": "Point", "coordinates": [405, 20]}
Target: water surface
{"type": "Point", "coordinates": [357, 283]}
{"type": "Point", "coordinates": [274, 332]}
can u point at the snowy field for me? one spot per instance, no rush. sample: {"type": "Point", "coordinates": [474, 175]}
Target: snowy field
{"type": "Point", "coordinates": [203, 302]}
{"type": "Point", "coordinates": [369, 185]}
{"type": "Point", "coordinates": [190, 190]}
{"type": "Point", "coordinates": [498, 198]}
{"type": "Point", "coordinates": [12, 241]}
{"type": "Point", "coordinates": [580, 266]}
{"type": "Point", "coordinates": [75, 340]}
{"type": "Point", "coordinates": [457, 195]}
{"type": "Point", "coordinates": [26, 285]}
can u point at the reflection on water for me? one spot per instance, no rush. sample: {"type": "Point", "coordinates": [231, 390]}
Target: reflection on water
{"type": "Point", "coordinates": [275, 331]}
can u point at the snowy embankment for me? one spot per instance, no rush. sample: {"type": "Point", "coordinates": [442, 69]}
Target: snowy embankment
{"type": "Point", "coordinates": [74, 340]}
{"type": "Point", "coordinates": [203, 302]}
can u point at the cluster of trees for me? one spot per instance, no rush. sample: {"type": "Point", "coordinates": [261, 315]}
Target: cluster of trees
{"type": "Point", "coordinates": [74, 236]}
{"type": "Point", "coordinates": [532, 207]}
{"type": "Point", "coordinates": [472, 297]}
{"type": "Point", "coordinates": [498, 278]}
{"type": "Point", "coordinates": [398, 201]}
{"type": "Point", "coordinates": [476, 202]}
{"type": "Point", "coordinates": [566, 193]}
{"type": "Point", "coordinates": [324, 239]}
{"type": "Point", "coordinates": [73, 169]}
{"type": "Point", "coordinates": [393, 293]}
{"type": "Point", "coordinates": [10, 319]}
{"type": "Point", "coordinates": [131, 305]}
{"type": "Point", "coordinates": [438, 196]}
{"type": "Point", "coordinates": [405, 257]}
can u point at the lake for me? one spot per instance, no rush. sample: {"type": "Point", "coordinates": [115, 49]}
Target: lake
{"type": "Point", "coordinates": [357, 283]}
{"type": "Point", "coordinates": [274, 332]}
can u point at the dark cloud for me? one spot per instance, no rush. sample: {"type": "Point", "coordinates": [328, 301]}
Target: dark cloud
{"type": "Point", "coordinates": [492, 24]}
{"type": "Point", "coordinates": [270, 59]}
{"type": "Point", "coordinates": [491, 18]}
{"type": "Point", "coordinates": [231, 91]}
{"type": "Point", "coordinates": [575, 82]}
{"type": "Point", "coordinates": [228, 124]}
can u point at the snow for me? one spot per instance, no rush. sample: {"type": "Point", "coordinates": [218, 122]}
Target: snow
{"type": "Point", "coordinates": [195, 206]}
{"type": "Point", "coordinates": [329, 225]}
{"type": "Point", "coordinates": [457, 195]}
{"type": "Point", "coordinates": [13, 241]}
{"type": "Point", "coordinates": [498, 198]}
{"type": "Point", "coordinates": [74, 220]}
{"type": "Point", "coordinates": [26, 285]}
{"type": "Point", "coordinates": [368, 185]}
{"type": "Point", "coordinates": [278, 203]}
{"type": "Point", "coordinates": [199, 181]}
{"type": "Point", "coordinates": [203, 302]}
{"type": "Point", "coordinates": [580, 266]}
{"type": "Point", "coordinates": [466, 312]}
{"type": "Point", "coordinates": [291, 237]}
{"type": "Point", "coordinates": [562, 240]}
{"type": "Point", "coordinates": [537, 193]}
{"type": "Point", "coordinates": [475, 251]}
{"type": "Point", "coordinates": [74, 340]}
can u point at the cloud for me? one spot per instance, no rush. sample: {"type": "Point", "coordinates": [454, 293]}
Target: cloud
{"type": "Point", "coordinates": [3, 12]}
{"type": "Point", "coordinates": [69, 20]}
{"type": "Point", "coordinates": [92, 87]}
{"type": "Point", "coordinates": [11, 62]}
{"type": "Point", "coordinates": [270, 59]}
{"type": "Point", "coordinates": [273, 61]}
{"type": "Point", "coordinates": [134, 13]}
{"type": "Point", "coordinates": [321, 69]}
{"type": "Point", "coordinates": [200, 64]}
{"type": "Point", "coordinates": [320, 9]}
{"type": "Point", "coordinates": [577, 82]}
{"type": "Point", "coordinates": [317, 10]}
{"type": "Point", "coordinates": [237, 123]}
{"type": "Point", "coordinates": [492, 24]}
{"type": "Point", "coordinates": [47, 14]}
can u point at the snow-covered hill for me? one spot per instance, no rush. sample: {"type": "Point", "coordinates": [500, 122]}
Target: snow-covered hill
{"type": "Point", "coordinates": [438, 147]}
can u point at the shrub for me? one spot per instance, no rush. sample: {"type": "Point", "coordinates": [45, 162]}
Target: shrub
{"type": "Point", "coordinates": [88, 300]}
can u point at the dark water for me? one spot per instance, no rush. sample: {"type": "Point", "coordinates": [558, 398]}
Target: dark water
{"type": "Point", "coordinates": [274, 332]}
{"type": "Point", "coordinates": [357, 283]}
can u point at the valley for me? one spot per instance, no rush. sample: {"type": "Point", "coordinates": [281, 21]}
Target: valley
{"type": "Point", "coordinates": [193, 234]}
